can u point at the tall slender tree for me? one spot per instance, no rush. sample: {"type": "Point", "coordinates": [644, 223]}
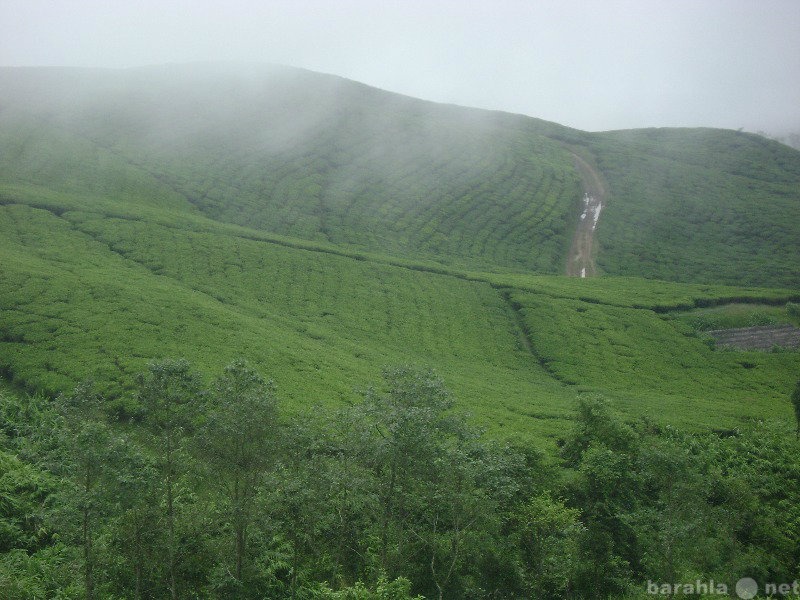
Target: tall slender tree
{"type": "Point", "coordinates": [238, 441]}
{"type": "Point", "coordinates": [86, 444]}
{"type": "Point", "coordinates": [136, 539]}
{"type": "Point", "coordinates": [170, 393]}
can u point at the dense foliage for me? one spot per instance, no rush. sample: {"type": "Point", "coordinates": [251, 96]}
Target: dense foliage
{"type": "Point", "coordinates": [211, 493]}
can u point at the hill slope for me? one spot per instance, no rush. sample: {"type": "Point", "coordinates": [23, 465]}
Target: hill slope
{"type": "Point", "coordinates": [92, 294]}
{"type": "Point", "coordinates": [700, 205]}
{"type": "Point", "coordinates": [322, 158]}
{"type": "Point", "coordinates": [322, 230]}
{"type": "Point", "coordinates": [300, 154]}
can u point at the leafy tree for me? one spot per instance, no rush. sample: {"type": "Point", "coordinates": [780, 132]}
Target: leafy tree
{"type": "Point", "coordinates": [681, 516]}
{"type": "Point", "coordinates": [758, 487]}
{"type": "Point", "coordinates": [596, 424]}
{"type": "Point", "coordinates": [336, 470]}
{"type": "Point", "coordinates": [88, 460]}
{"type": "Point", "coordinates": [548, 534]}
{"type": "Point", "coordinates": [319, 503]}
{"type": "Point", "coordinates": [239, 442]}
{"type": "Point", "coordinates": [454, 517]}
{"type": "Point", "coordinates": [170, 393]}
{"type": "Point", "coordinates": [403, 428]}
{"type": "Point", "coordinates": [136, 539]}
{"type": "Point", "coordinates": [603, 449]}
{"type": "Point", "coordinates": [439, 489]}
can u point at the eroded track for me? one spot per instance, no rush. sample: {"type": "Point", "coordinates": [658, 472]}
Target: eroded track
{"type": "Point", "coordinates": [581, 258]}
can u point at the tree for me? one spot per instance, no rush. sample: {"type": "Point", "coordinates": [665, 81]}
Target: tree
{"type": "Point", "coordinates": [680, 515]}
{"type": "Point", "coordinates": [170, 393]}
{"type": "Point", "coordinates": [239, 441]}
{"type": "Point", "coordinates": [603, 449]}
{"type": "Point", "coordinates": [136, 539]}
{"type": "Point", "coordinates": [453, 517]}
{"type": "Point", "coordinates": [402, 430]}
{"type": "Point", "coordinates": [87, 446]}
{"type": "Point", "coordinates": [595, 424]}
{"type": "Point", "coordinates": [548, 536]}
{"type": "Point", "coordinates": [438, 488]}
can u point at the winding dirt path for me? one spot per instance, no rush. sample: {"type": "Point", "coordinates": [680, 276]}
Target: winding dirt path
{"type": "Point", "coordinates": [580, 260]}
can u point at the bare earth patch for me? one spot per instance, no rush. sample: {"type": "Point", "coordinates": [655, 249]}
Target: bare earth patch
{"type": "Point", "coordinates": [763, 337]}
{"type": "Point", "coordinates": [581, 258]}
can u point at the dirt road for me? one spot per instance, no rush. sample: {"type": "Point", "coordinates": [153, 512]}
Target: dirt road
{"type": "Point", "coordinates": [580, 261]}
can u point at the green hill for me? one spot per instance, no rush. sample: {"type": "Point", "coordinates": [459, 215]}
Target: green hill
{"type": "Point", "coordinates": [700, 205]}
{"type": "Point", "coordinates": [300, 154]}
{"type": "Point", "coordinates": [322, 158]}
{"type": "Point", "coordinates": [323, 229]}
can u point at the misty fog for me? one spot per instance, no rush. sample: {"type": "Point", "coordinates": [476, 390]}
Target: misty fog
{"type": "Point", "coordinates": [590, 65]}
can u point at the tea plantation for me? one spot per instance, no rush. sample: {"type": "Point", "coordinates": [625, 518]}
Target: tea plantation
{"type": "Point", "coordinates": [266, 333]}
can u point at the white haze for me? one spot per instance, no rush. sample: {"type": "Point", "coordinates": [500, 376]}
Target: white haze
{"type": "Point", "coordinates": [594, 65]}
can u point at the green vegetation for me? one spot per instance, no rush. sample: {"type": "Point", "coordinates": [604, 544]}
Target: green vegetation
{"type": "Point", "coordinates": [796, 406]}
{"type": "Point", "coordinates": [654, 365]}
{"type": "Point", "coordinates": [280, 222]}
{"type": "Point", "coordinates": [391, 497]}
{"type": "Point", "coordinates": [301, 155]}
{"type": "Point", "coordinates": [700, 205]}
{"type": "Point", "coordinates": [731, 316]}
{"type": "Point", "coordinates": [99, 296]}
{"type": "Point", "coordinates": [326, 160]}
{"type": "Point", "coordinates": [320, 320]}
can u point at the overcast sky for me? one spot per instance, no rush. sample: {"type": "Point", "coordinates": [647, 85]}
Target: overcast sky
{"type": "Point", "coordinates": [590, 64]}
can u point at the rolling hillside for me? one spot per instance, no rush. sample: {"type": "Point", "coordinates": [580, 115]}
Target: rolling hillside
{"type": "Point", "coordinates": [700, 205]}
{"type": "Point", "coordinates": [323, 229]}
{"type": "Point", "coordinates": [325, 159]}
{"type": "Point", "coordinates": [299, 154]}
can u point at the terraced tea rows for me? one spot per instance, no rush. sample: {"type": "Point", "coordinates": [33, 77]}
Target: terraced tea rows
{"type": "Point", "coordinates": [652, 364]}
{"type": "Point", "coordinates": [700, 205]}
{"type": "Point", "coordinates": [354, 167]}
{"type": "Point", "coordinates": [99, 297]}
{"type": "Point", "coordinates": [322, 230]}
